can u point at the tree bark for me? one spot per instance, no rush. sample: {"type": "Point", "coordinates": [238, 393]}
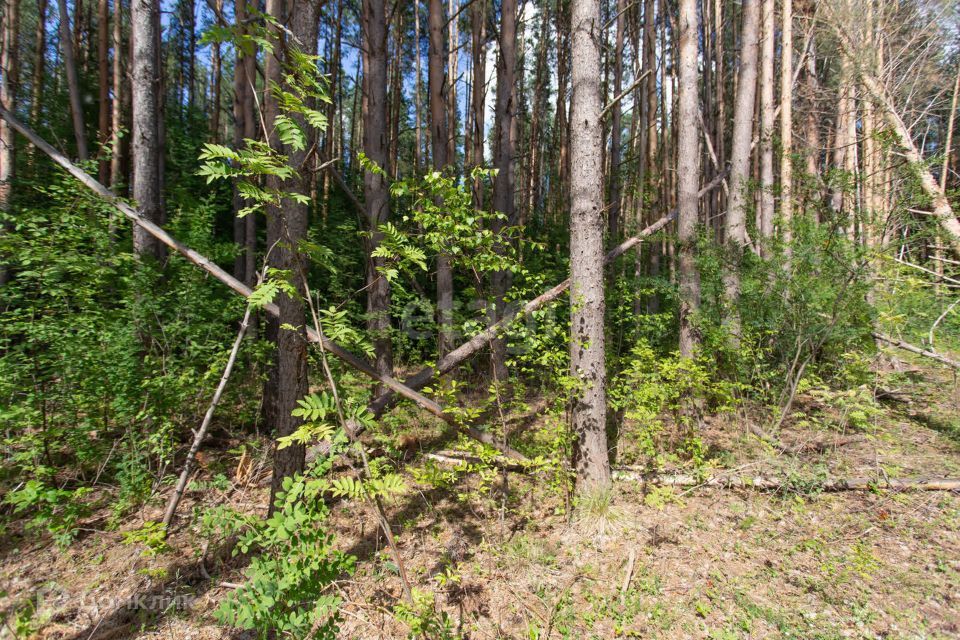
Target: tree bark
{"type": "Point", "coordinates": [736, 222]}
{"type": "Point", "coordinates": [103, 78]}
{"type": "Point", "coordinates": [215, 64]}
{"type": "Point", "coordinates": [375, 189]}
{"type": "Point", "coordinates": [767, 125]}
{"type": "Point", "coordinates": [587, 363]}
{"type": "Point", "coordinates": [417, 90]}
{"type": "Point", "coordinates": [616, 125]}
{"type": "Point", "coordinates": [145, 21]}
{"type": "Point", "coordinates": [73, 83]}
{"type": "Point", "coordinates": [120, 98]}
{"type": "Point", "coordinates": [478, 39]}
{"type": "Point", "coordinates": [39, 63]}
{"type": "Point", "coordinates": [286, 228]}
{"type": "Point", "coordinates": [9, 70]}
{"type": "Point", "coordinates": [243, 87]}
{"type": "Point", "coordinates": [689, 178]}
{"type": "Point", "coordinates": [504, 184]}
{"type": "Point", "coordinates": [439, 145]}
{"type": "Point", "coordinates": [786, 125]}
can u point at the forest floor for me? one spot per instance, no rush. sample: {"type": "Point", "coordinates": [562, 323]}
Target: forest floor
{"type": "Point", "coordinates": [658, 563]}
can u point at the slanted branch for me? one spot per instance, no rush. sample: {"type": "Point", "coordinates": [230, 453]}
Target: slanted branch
{"type": "Point", "coordinates": [927, 353]}
{"type": "Point", "coordinates": [214, 270]}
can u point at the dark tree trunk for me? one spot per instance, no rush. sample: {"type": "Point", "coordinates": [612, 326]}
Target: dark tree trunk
{"type": "Point", "coordinates": [504, 161]}
{"type": "Point", "coordinates": [439, 145]}
{"type": "Point", "coordinates": [287, 227]}
{"type": "Point", "coordinates": [103, 78]}
{"type": "Point", "coordinates": [375, 189]}
{"type": "Point", "coordinates": [73, 82]}
{"type": "Point", "coordinates": [215, 64]}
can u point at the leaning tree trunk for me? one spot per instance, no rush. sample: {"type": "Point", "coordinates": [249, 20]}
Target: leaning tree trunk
{"type": "Point", "coordinates": [286, 228]}
{"type": "Point", "coordinates": [375, 189]}
{"type": "Point", "coordinates": [688, 179]}
{"type": "Point", "coordinates": [589, 410]}
{"type": "Point", "coordinates": [145, 21]}
{"type": "Point", "coordinates": [941, 206]}
{"type": "Point", "coordinates": [504, 162]}
{"type": "Point", "coordinates": [736, 222]}
{"type": "Point", "coordinates": [73, 83]}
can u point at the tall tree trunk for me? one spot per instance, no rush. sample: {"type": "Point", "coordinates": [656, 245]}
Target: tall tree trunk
{"type": "Point", "coordinates": [9, 70]}
{"type": "Point", "coordinates": [73, 83]}
{"type": "Point", "coordinates": [215, 64]}
{"type": "Point", "coordinates": [504, 184]}
{"type": "Point", "coordinates": [453, 56]}
{"type": "Point", "coordinates": [336, 82]}
{"type": "Point", "coordinates": [786, 125]}
{"type": "Point", "coordinates": [613, 219]}
{"type": "Point", "coordinates": [417, 90]}
{"type": "Point", "coordinates": [245, 127]}
{"type": "Point", "coordinates": [396, 99]}
{"type": "Point", "coordinates": [767, 124]}
{"type": "Point", "coordinates": [478, 39]}
{"type": "Point", "coordinates": [119, 100]}
{"type": "Point", "coordinates": [191, 79]}
{"type": "Point", "coordinates": [539, 109]}
{"type": "Point", "coordinates": [811, 124]}
{"type": "Point", "coordinates": [287, 227]}
{"type": "Point", "coordinates": [39, 64]}
{"type": "Point", "coordinates": [145, 22]}
{"type": "Point", "coordinates": [841, 143]}
{"type": "Point", "coordinates": [587, 364]}
{"type": "Point", "coordinates": [375, 189]}
{"type": "Point", "coordinates": [948, 144]}
{"type": "Point", "coordinates": [103, 78]}
{"type": "Point", "coordinates": [561, 126]}
{"type": "Point", "coordinates": [689, 178]}
{"type": "Point", "coordinates": [439, 142]}
{"type": "Point", "coordinates": [736, 222]}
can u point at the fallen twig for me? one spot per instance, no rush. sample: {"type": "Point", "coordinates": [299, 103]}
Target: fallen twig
{"type": "Point", "coordinates": [906, 346]}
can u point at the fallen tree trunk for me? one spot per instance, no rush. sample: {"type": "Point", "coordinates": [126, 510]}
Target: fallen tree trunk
{"type": "Point", "coordinates": [759, 483]}
{"type": "Point", "coordinates": [210, 267]}
{"type": "Point", "coordinates": [906, 346]}
{"type": "Point", "coordinates": [768, 483]}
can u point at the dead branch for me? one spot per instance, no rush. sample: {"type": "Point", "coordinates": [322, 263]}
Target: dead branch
{"type": "Point", "coordinates": [177, 494]}
{"type": "Point", "coordinates": [217, 272]}
{"type": "Point", "coordinates": [768, 483]}
{"type": "Point", "coordinates": [906, 346]}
